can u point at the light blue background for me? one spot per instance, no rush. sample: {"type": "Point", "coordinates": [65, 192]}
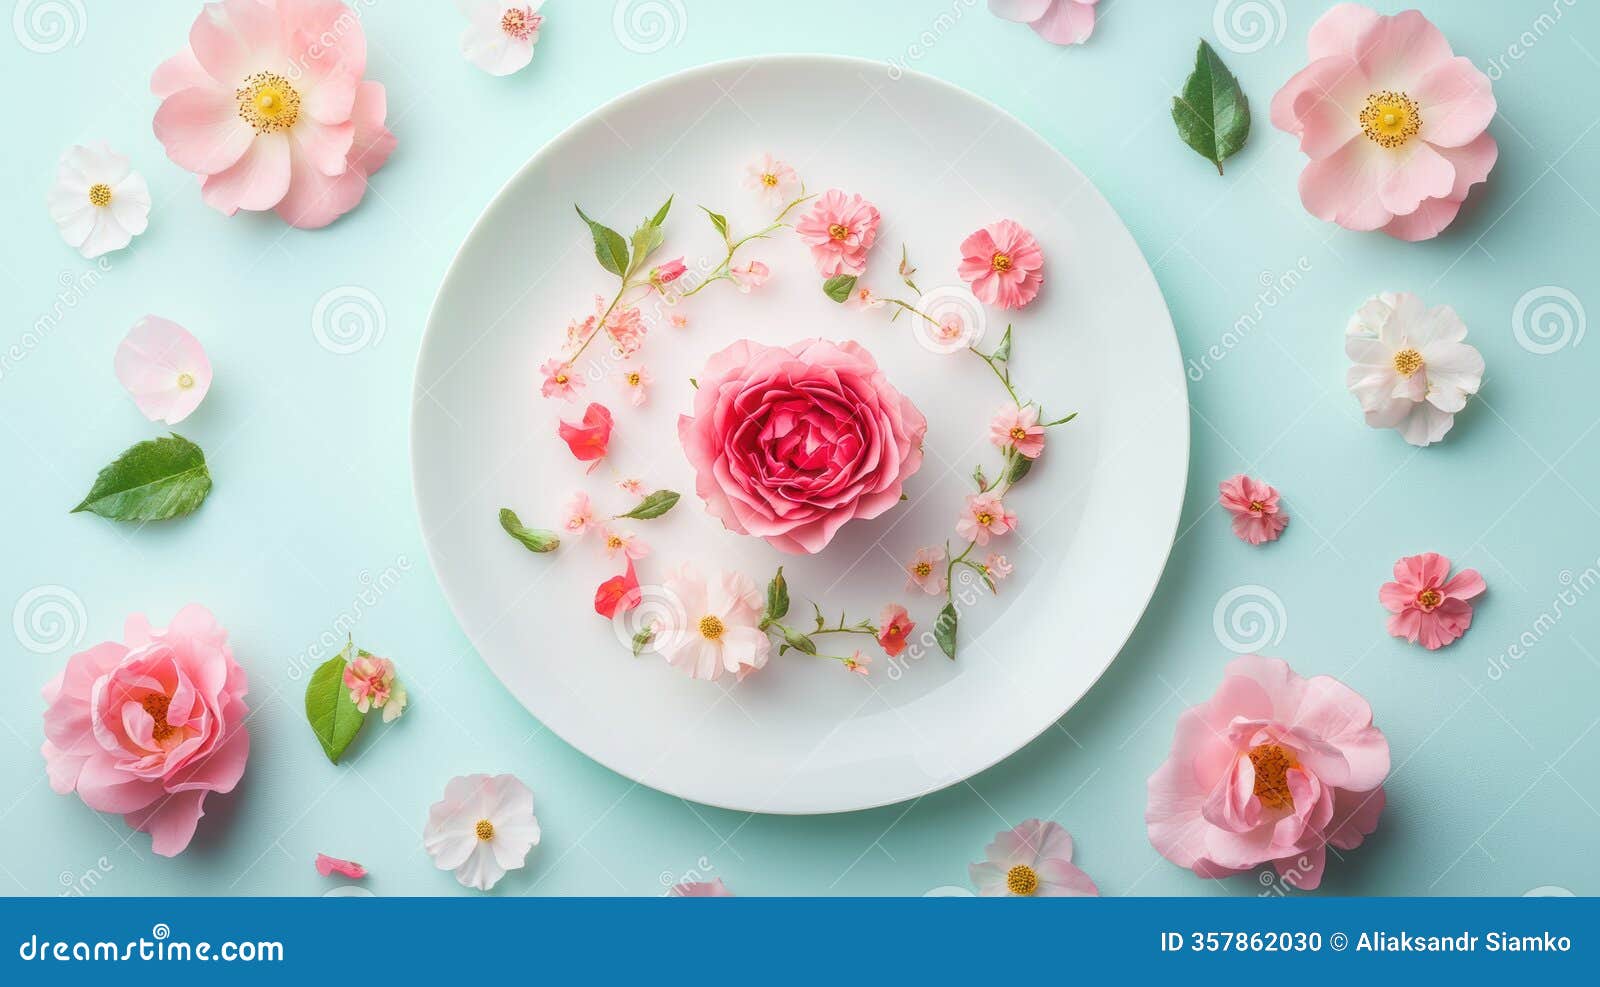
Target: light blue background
{"type": "Point", "coordinates": [1494, 789]}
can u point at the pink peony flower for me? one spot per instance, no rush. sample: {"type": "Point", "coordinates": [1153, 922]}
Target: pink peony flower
{"type": "Point", "coordinates": [1060, 22]}
{"type": "Point", "coordinates": [840, 231]}
{"type": "Point", "coordinates": [926, 571]}
{"type": "Point", "coordinates": [1426, 605]}
{"type": "Point", "coordinates": [997, 566]}
{"type": "Point", "coordinates": [775, 181]}
{"type": "Point", "coordinates": [751, 275]}
{"type": "Point", "coordinates": [164, 368]}
{"type": "Point", "coordinates": [701, 889]}
{"type": "Point", "coordinates": [268, 107]}
{"type": "Point", "coordinates": [616, 540]}
{"type": "Point", "coordinates": [1394, 122]}
{"type": "Point", "coordinates": [1272, 768]}
{"type": "Point", "coordinates": [619, 594]}
{"type": "Point", "coordinates": [327, 866]}
{"type": "Point", "coordinates": [589, 438]}
{"type": "Point", "coordinates": [1034, 859]}
{"type": "Point", "coordinates": [985, 516]}
{"type": "Point", "coordinates": [858, 662]}
{"type": "Point", "coordinates": [578, 515]}
{"type": "Point", "coordinates": [559, 380]}
{"type": "Point", "coordinates": [791, 443]}
{"type": "Point", "coordinates": [1003, 264]}
{"type": "Point", "coordinates": [894, 629]}
{"type": "Point", "coordinates": [151, 726]}
{"type": "Point", "coordinates": [372, 685]}
{"type": "Point", "coordinates": [500, 34]}
{"type": "Point", "coordinates": [1254, 506]}
{"type": "Point", "coordinates": [635, 382]}
{"type": "Point", "coordinates": [713, 625]}
{"type": "Point", "coordinates": [1019, 429]}
{"type": "Point", "coordinates": [665, 274]}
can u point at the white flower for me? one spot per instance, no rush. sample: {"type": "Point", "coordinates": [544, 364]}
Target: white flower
{"type": "Point", "coordinates": [482, 828]}
{"type": "Point", "coordinates": [98, 202]}
{"type": "Point", "coordinates": [714, 624]}
{"type": "Point", "coordinates": [500, 34]}
{"type": "Point", "coordinates": [1410, 369]}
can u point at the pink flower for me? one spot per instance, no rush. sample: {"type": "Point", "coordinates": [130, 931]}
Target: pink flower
{"type": "Point", "coordinates": [616, 540]}
{"type": "Point", "coordinates": [500, 34]}
{"type": "Point", "coordinates": [984, 517]}
{"type": "Point", "coordinates": [926, 571]}
{"type": "Point", "coordinates": [664, 274]}
{"type": "Point", "coordinates": [619, 594]}
{"type": "Point", "coordinates": [1032, 860]}
{"type": "Point", "coordinates": [1019, 429]}
{"type": "Point", "coordinates": [679, 320]}
{"type": "Point", "coordinates": [864, 298]}
{"type": "Point", "coordinates": [559, 380]}
{"type": "Point", "coordinates": [894, 628]}
{"type": "Point", "coordinates": [268, 107]}
{"type": "Point", "coordinates": [701, 889]}
{"type": "Point", "coordinates": [840, 231]}
{"type": "Point", "coordinates": [633, 485]}
{"type": "Point", "coordinates": [578, 333]}
{"type": "Point", "coordinates": [1003, 264]}
{"type": "Point", "coordinates": [626, 328]}
{"type": "Point", "coordinates": [997, 566]}
{"type": "Point", "coordinates": [713, 625]}
{"type": "Point", "coordinates": [164, 368]}
{"type": "Point", "coordinates": [578, 515]}
{"type": "Point", "coordinates": [590, 438]}
{"type": "Point", "coordinates": [483, 827]}
{"type": "Point", "coordinates": [857, 663]}
{"type": "Point", "coordinates": [775, 181]}
{"type": "Point", "coordinates": [151, 726]}
{"type": "Point", "coordinates": [634, 381]}
{"type": "Point", "coordinates": [327, 865]}
{"type": "Point", "coordinates": [1272, 768]}
{"type": "Point", "coordinates": [1427, 606]}
{"type": "Point", "coordinates": [1394, 122]}
{"type": "Point", "coordinates": [372, 685]}
{"type": "Point", "coordinates": [1060, 22]}
{"type": "Point", "coordinates": [791, 443]}
{"type": "Point", "coordinates": [1254, 506]}
{"type": "Point", "coordinates": [751, 275]}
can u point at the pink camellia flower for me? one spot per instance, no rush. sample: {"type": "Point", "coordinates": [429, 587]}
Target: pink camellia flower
{"type": "Point", "coordinates": [559, 380]}
{"type": "Point", "coordinates": [500, 34]}
{"type": "Point", "coordinates": [615, 540]}
{"type": "Point", "coordinates": [701, 889]}
{"type": "Point", "coordinates": [985, 516]}
{"type": "Point", "coordinates": [791, 443]}
{"type": "Point", "coordinates": [840, 230]}
{"type": "Point", "coordinates": [775, 181]}
{"type": "Point", "coordinates": [589, 438]}
{"type": "Point", "coordinates": [164, 368]}
{"type": "Point", "coordinates": [150, 726]}
{"type": "Point", "coordinates": [926, 571]}
{"type": "Point", "coordinates": [327, 866]}
{"type": "Point", "coordinates": [1254, 506]}
{"type": "Point", "coordinates": [1271, 769]}
{"type": "Point", "coordinates": [1032, 860]}
{"type": "Point", "coordinates": [635, 383]}
{"type": "Point", "coordinates": [1060, 22]}
{"type": "Point", "coordinates": [372, 685]}
{"type": "Point", "coordinates": [1003, 264]}
{"type": "Point", "coordinates": [665, 274]}
{"type": "Point", "coordinates": [714, 625]}
{"type": "Point", "coordinates": [1019, 429]}
{"type": "Point", "coordinates": [1394, 122]}
{"type": "Point", "coordinates": [578, 515]}
{"type": "Point", "coordinates": [894, 629]}
{"type": "Point", "coordinates": [267, 105]}
{"type": "Point", "coordinates": [858, 662]}
{"type": "Point", "coordinates": [748, 276]}
{"type": "Point", "coordinates": [1427, 605]}
{"type": "Point", "coordinates": [997, 566]}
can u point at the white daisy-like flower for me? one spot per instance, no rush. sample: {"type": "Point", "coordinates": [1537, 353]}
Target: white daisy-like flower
{"type": "Point", "coordinates": [99, 202]}
{"type": "Point", "coordinates": [483, 827]}
{"type": "Point", "coordinates": [1410, 369]}
{"type": "Point", "coordinates": [500, 34]}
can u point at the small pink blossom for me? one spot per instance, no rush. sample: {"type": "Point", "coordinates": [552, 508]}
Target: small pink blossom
{"type": "Point", "coordinates": [751, 275]}
{"type": "Point", "coordinates": [1019, 429]}
{"type": "Point", "coordinates": [1426, 605]}
{"type": "Point", "coordinates": [985, 516]}
{"type": "Point", "coordinates": [578, 333]}
{"type": "Point", "coordinates": [500, 34]}
{"type": "Point", "coordinates": [327, 866]}
{"type": "Point", "coordinates": [840, 230]}
{"type": "Point", "coordinates": [1254, 506]}
{"type": "Point", "coordinates": [578, 515]}
{"type": "Point", "coordinates": [997, 566]}
{"type": "Point", "coordinates": [625, 325]}
{"type": "Point", "coordinates": [715, 627]}
{"type": "Point", "coordinates": [616, 540]}
{"type": "Point", "coordinates": [774, 181]}
{"type": "Point", "coordinates": [665, 274]}
{"type": "Point", "coordinates": [559, 380]}
{"type": "Point", "coordinates": [1060, 22]}
{"type": "Point", "coordinates": [858, 662]}
{"type": "Point", "coordinates": [635, 381]}
{"type": "Point", "coordinates": [372, 685]}
{"type": "Point", "coordinates": [701, 889]}
{"type": "Point", "coordinates": [679, 320]}
{"type": "Point", "coordinates": [633, 485]}
{"type": "Point", "coordinates": [1003, 264]}
{"type": "Point", "coordinates": [926, 570]}
{"type": "Point", "coordinates": [865, 298]}
{"type": "Point", "coordinates": [164, 368]}
{"type": "Point", "coordinates": [894, 629]}
{"type": "Point", "coordinates": [1032, 860]}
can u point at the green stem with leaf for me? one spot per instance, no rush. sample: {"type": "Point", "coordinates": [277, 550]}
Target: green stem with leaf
{"type": "Point", "coordinates": [723, 271]}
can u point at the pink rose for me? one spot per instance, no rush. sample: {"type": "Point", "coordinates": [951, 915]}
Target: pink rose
{"type": "Point", "coordinates": [151, 726]}
{"type": "Point", "coordinates": [789, 443]}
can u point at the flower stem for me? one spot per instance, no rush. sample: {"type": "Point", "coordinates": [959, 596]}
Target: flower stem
{"type": "Point", "coordinates": [722, 271]}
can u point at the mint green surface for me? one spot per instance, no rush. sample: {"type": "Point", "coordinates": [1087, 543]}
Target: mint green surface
{"type": "Point", "coordinates": [310, 528]}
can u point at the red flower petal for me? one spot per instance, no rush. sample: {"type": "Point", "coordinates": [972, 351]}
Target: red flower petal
{"type": "Point", "coordinates": [327, 865]}
{"type": "Point", "coordinates": [589, 438]}
{"type": "Point", "coordinates": [619, 594]}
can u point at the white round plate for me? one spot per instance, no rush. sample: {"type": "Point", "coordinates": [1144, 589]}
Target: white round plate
{"type": "Point", "coordinates": [1098, 513]}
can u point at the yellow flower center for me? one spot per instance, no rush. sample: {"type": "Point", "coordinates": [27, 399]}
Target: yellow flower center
{"type": "Point", "coordinates": [985, 518]}
{"type": "Point", "coordinates": [769, 179]}
{"type": "Point", "coordinates": [186, 380]}
{"type": "Point", "coordinates": [1018, 433]}
{"type": "Point", "coordinates": [156, 705]}
{"type": "Point", "coordinates": [1429, 598]}
{"type": "Point", "coordinates": [1272, 763]}
{"type": "Point", "coordinates": [1001, 262]}
{"type": "Point", "coordinates": [484, 829]}
{"type": "Point", "coordinates": [517, 24]}
{"type": "Point", "coordinates": [1256, 507]}
{"type": "Point", "coordinates": [922, 569]}
{"type": "Point", "coordinates": [838, 231]}
{"type": "Point", "coordinates": [100, 194]}
{"type": "Point", "coordinates": [1390, 119]}
{"type": "Point", "coordinates": [1407, 362]}
{"type": "Point", "coordinates": [1022, 880]}
{"type": "Point", "coordinates": [711, 627]}
{"type": "Point", "coordinates": [268, 103]}
{"type": "Point", "coordinates": [633, 379]}
{"type": "Point", "coordinates": [613, 542]}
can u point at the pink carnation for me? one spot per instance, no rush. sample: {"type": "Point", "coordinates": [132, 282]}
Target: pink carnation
{"type": "Point", "coordinates": [1427, 604]}
{"type": "Point", "coordinates": [1003, 264]}
{"type": "Point", "coordinates": [840, 231]}
{"type": "Point", "coordinates": [149, 727]}
{"type": "Point", "coordinates": [1254, 506]}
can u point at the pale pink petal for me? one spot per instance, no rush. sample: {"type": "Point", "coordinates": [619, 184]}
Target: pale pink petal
{"type": "Point", "coordinates": [170, 821]}
{"type": "Point", "coordinates": [1337, 31]}
{"type": "Point", "coordinates": [258, 181]}
{"type": "Point", "coordinates": [1419, 172]}
{"type": "Point", "coordinates": [1345, 187]}
{"type": "Point", "coordinates": [1021, 11]}
{"type": "Point", "coordinates": [1456, 103]}
{"type": "Point", "coordinates": [201, 129]}
{"type": "Point", "coordinates": [1067, 22]}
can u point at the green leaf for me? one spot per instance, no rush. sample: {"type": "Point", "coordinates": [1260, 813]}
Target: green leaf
{"type": "Point", "coordinates": [1061, 421]}
{"type": "Point", "coordinates": [661, 214]}
{"type": "Point", "coordinates": [980, 478]}
{"type": "Point", "coordinates": [653, 506]}
{"type": "Point", "coordinates": [1002, 353]}
{"type": "Point", "coordinates": [334, 718]}
{"type": "Point", "coordinates": [535, 539]}
{"type": "Point", "coordinates": [645, 241]}
{"type": "Point", "coordinates": [821, 622]}
{"type": "Point", "coordinates": [719, 221]}
{"type": "Point", "coordinates": [642, 640]}
{"type": "Point", "coordinates": [151, 481]}
{"type": "Point", "coordinates": [1213, 115]}
{"type": "Point", "coordinates": [797, 640]}
{"type": "Point", "coordinates": [839, 286]}
{"type": "Point", "coordinates": [777, 597]}
{"type": "Point", "coordinates": [1020, 465]}
{"type": "Point", "coordinates": [610, 249]}
{"type": "Point", "coordinates": [944, 630]}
